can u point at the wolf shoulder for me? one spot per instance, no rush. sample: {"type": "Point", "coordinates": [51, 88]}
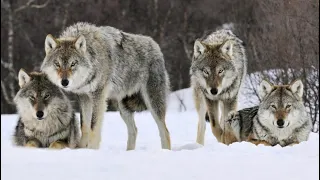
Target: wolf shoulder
{"type": "Point", "coordinates": [110, 41]}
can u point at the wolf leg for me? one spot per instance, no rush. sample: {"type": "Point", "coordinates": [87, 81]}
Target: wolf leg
{"type": "Point", "coordinates": [127, 117]}
{"type": "Point", "coordinates": [228, 106]}
{"type": "Point", "coordinates": [213, 112]}
{"type": "Point", "coordinates": [201, 109]}
{"type": "Point", "coordinates": [233, 124]}
{"type": "Point", "coordinates": [85, 103]}
{"type": "Point", "coordinates": [58, 145]}
{"type": "Point", "coordinates": [99, 108]}
{"type": "Point", "coordinates": [155, 98]}
{"type": "Point", "coordinates": [33, 144]}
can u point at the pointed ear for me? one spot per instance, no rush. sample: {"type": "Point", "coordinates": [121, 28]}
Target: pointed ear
{"type": "Point", "coordinates": [50, 43]}
{"type": "Point", "coordinates": [23, 78]}
{"type": "Point", "coordinates": [227, 48]}
{"type": "Point", "coordinates": [297, 87]}
{"type": "Point", "coordinates": [80, 44]}
{"type": "Point", "coordinates": [264, 88]}
{"type": "Point", "coordinates": [198, 48]}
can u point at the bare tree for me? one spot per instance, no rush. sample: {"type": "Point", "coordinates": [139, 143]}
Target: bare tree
{"type": "Point", "coordinates": [8, 85]}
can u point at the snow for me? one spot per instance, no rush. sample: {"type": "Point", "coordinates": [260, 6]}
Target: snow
{"type": "Point", "coordinates": [188, 160]}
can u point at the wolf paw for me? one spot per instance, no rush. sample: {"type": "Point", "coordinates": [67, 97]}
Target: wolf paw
{"type": "Point", "coordinates": [58, 145]}
{"type": "Point", "coordinates": [233, 116]}
{"type": "Point", "coordinates": [94, 141]}
{"type": "Point", "coordinates": [84, 141]}
{"type": "Point", "coordinates": [32, 144]}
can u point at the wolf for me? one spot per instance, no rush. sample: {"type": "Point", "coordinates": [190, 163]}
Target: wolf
{"type": "Point", "coordinates": [46, 117]}
{"type": "Point", "coordinates": [280, 119]}
{"type": "Point", "coordinates": [101, 63]}
{"type": "Point", "coordinates": [218, 68]}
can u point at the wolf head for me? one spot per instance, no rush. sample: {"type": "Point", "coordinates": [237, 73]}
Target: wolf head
{"type": "Point", "coordinates": [212, 66]}
{"type": "Point", "coordinates": [67, 61]}
{"type": "Point", "coordinates": [281, 105]}
{"type": "Point", "coordinates": [37, 96]}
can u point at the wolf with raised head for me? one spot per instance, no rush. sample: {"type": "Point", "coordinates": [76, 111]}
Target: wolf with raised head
{"type": "Point", "coordinates": [46, 117]}
{"type": "Point", "coordinates": [281, 118]}
{"type": "Point", "coordinates": [102, 62]}
{"type": "Point", "coordinates": [217, 71]}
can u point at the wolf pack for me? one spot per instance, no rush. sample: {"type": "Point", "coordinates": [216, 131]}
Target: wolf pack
{"type": "Point", "coordinates": [100, 63]}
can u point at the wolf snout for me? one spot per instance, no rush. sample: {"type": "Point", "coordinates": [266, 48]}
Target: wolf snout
{"type": "Point", "coordinates": [40, 115]}
{"type": "Point", "coordinates": [214, 91]}
{"type": "Point", "coordinates": [280, 123]}
{"type": "Point", "coordinates": [64, 82]}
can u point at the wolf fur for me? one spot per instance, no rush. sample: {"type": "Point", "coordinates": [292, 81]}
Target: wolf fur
{"type": "Point", "coordinates": [102, 63]}
{"type": "Point", "coordinates": [217, 70]}
{"type": "Point", "coordinates": [56, 127]}
{"type": "Point", "coordinates": [281, 118]}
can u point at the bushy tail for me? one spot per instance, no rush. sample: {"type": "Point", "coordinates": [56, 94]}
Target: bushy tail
{"type": "Point", "coordinates": [134, 103]}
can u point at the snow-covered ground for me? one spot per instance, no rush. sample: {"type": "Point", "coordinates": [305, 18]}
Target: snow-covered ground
{"type": "Point", "coordinates": [186, 161]}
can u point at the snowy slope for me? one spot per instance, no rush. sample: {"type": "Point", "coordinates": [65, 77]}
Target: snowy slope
{"type": "Point", "coordinates": [186, 161]}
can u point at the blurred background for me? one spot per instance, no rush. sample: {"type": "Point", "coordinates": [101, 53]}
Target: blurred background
{"type": "Point", "coordinates": [281, 37]}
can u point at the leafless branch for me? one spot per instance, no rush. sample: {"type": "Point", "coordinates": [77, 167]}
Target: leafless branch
{"type": "Point", "coordinates": [185, 46]}
{"type": "Point", "coordinates": [8, 99]}
{"type": "Point", "coordinates": [182, 106]}
{"type": "Point", "coordinates": [29, 4]}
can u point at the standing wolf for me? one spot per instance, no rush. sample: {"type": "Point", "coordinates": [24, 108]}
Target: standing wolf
{"type": "Point", "coordinates": [281, 118]}
{"type": "Point", "coordinates": [218, 68]}
{"type": "Point", "coordinates": [46, 115]}
{"type": "Point", "coordinates": [100, 63]}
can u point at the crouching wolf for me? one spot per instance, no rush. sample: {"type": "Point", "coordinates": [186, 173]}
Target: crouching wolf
{"type": "Point", "coordinates": [46, 115]}
{"type": "Point", "coordinates": [218, 68]}
{"type": "Point", "coordinates": [100, 63]}
{"type": "Point", "coordinates": [281, 118]}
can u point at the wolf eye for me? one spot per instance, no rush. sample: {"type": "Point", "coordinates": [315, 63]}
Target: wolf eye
{"type": "Point", "coordinates": [220, 71]}
{"type": "Point", "coordinates": [205, 72]}
{"type": "Point", "coordinates": [31, 98]}
{"type": "Point", "coordinates": [274, 106]}
{"type": "Point", "coordinates": [288, 106]}
{"type": "Point", "coordinates": [73, 63]}
{"type": "Point", "coordinates": [56, 63]}
{"type": "Point", "coordinates": [46, 97]}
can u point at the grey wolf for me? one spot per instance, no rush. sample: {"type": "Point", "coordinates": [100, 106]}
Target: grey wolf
{"type": "Point", "coordinates": [281, 118]}
{"type": "Point", "coordinates": [100, 63]}
{"type": "Point", "coordinates": [46, 117]}
{"type": "Point", "coordinates": [217, 71]}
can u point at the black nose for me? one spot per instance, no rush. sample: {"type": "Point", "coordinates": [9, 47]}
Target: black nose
{"type": "Point", "coordinates": [40, 114]}
{"type": "Point", "coordinates": [64, 82]}
{"type": "Point", "coordinates": [280, 122]}
{"type": "Point", "coordinates": [214, 91]}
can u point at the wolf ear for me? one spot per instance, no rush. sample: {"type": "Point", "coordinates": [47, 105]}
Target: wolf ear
{"type": "Point", "coordinates": [80, 43]}
{"type": "Point", "coordinates": [264, 88]}
{"type": "Point", "coordinates": [227, 48]}
{"type": "Point", "coordinates": [50, 43]}
{"type": "Point", "coordinates": [23, 78]}
{"type": "Point", "coordinates": [198, 48]}
{"type": "Point", "coordinates": [297, 87]}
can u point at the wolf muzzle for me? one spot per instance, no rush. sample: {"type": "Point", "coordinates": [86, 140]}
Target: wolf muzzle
{"type": "Point", "coordinates": [64, 82]}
